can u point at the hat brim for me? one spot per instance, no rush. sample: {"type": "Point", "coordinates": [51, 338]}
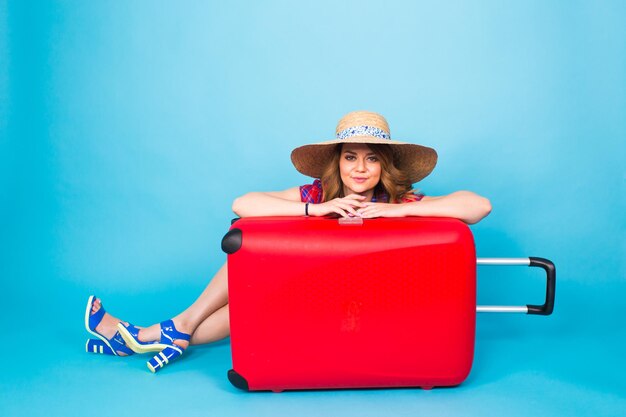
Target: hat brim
{"type": "Point", "coordinates": [416, 161]}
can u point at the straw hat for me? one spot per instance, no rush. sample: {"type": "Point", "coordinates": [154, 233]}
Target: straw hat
{"type": "Point", "coordinates": [365, 127]}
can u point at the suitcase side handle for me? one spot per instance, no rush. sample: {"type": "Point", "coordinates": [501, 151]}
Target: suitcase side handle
{"type": "Point", "coordinates": [543, 310]}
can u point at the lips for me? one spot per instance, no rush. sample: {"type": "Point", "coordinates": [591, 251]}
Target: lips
{"type": "Point", "coordinates": [359, 180]}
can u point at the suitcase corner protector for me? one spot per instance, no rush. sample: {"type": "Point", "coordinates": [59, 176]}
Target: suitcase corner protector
{"type": "Point", "coordinates": [231, 242]}
{"type": "Point", "coordinates": [237, 380]}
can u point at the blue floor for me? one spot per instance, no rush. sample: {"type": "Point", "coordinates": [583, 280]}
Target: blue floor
{"type": "Point", "coordinates": [523, 366]}
{"type": "Point", "coordinates": [128, 128]}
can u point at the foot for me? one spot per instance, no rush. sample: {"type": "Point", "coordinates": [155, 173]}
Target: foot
{"type": "Point", "coordinates": [108, 326]}
{"type": "Point", "coordinates": [153, 333]}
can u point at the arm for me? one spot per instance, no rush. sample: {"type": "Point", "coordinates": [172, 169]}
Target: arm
{"type": "Point", "coordinates": [289, 203]}
{"type": "Point", "coordinates": [463, 205]}
{"type": "Point", "coordinates": [274, 203]}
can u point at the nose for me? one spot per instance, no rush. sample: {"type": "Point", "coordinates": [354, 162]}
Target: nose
{"type": "Point", "coordinates": [360, 166]}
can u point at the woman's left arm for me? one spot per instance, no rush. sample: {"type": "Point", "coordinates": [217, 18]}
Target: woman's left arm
{"type": "Point", "coordinates": [463, 205]}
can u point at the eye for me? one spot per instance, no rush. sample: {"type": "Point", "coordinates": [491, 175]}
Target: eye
{"type": "Point", "coordinates": [372, 158]}
{"type": "Point", "coordinates": [349, 157]}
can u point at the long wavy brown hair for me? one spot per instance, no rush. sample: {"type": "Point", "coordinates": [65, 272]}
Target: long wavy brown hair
{"type": "Point", "coordinates": [393, 182]}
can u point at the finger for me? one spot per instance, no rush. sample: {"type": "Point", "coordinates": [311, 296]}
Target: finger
{"type": "Point", "coordinates": [370, 211]}
{"type": "Point", "coordinates": [340, 212]}
{"type": "Point", "coordinates": [370, 215]}
{"type": "Point", "coordinates": [364, 215]}
{"type": "Point", "coordinates": [353, 202]}
{"type": "Point", "coordinates": [348, 208]}
{"type": "Point", "coordinates": [348, 203]}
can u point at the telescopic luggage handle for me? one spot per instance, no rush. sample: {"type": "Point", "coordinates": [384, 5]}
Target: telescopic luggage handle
{"type": "Point", "coordinates": [548, 266]}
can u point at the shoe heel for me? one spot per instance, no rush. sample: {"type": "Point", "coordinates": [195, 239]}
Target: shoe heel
{"type": "Point", "coordinates": [163, 358]}
{"type": "Point", "coordinates": [98, 346]}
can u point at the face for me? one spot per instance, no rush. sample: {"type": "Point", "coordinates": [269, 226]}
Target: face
{"type": "Point", "coordinates": [359, 168]}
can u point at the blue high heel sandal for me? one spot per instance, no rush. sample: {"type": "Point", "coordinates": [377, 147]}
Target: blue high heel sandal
{"type": "Point", "coordinates": [113, 346]}
{"type": "Point", "coordinates": [99, 347]}
{"type": "Point", "coordinates": [163, 358]}
{"type": "Point", "coordinates": [166, 347]}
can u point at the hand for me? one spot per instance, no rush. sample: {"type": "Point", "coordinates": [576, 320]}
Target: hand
{"type": "Point", "coordinates": [345, 206]}
{"type": "Point", "coordinates": [371, 210]}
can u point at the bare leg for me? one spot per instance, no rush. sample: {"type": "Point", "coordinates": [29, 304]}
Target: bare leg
{"type": "Point", "coordinates": [213, 298]}
{"type": "Point", "coordinates": [215, 327]}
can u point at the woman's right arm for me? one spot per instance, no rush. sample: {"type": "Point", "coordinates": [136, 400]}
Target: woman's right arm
{"type": "Point", "coordinates": [274, 203]}
{"type": "Point", "coordinates": [289, 203]}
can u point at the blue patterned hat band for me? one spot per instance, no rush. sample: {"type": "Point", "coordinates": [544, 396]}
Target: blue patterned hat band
{"type": "Point", "coordinates": [363, 131]}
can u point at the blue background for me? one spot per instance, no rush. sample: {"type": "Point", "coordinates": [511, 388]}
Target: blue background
{"type": "Point", "coordinates": [127, 129]}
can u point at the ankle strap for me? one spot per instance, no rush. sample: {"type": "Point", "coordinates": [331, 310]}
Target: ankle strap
{"type": "Point", "coordinates": [169, 331]}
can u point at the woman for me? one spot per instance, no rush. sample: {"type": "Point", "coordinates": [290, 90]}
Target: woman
{"type": "Point", "coordinates": [361, 173]}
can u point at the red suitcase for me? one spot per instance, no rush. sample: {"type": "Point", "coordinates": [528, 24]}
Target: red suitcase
{"type": "Point", "coordinates": [315, 303]}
